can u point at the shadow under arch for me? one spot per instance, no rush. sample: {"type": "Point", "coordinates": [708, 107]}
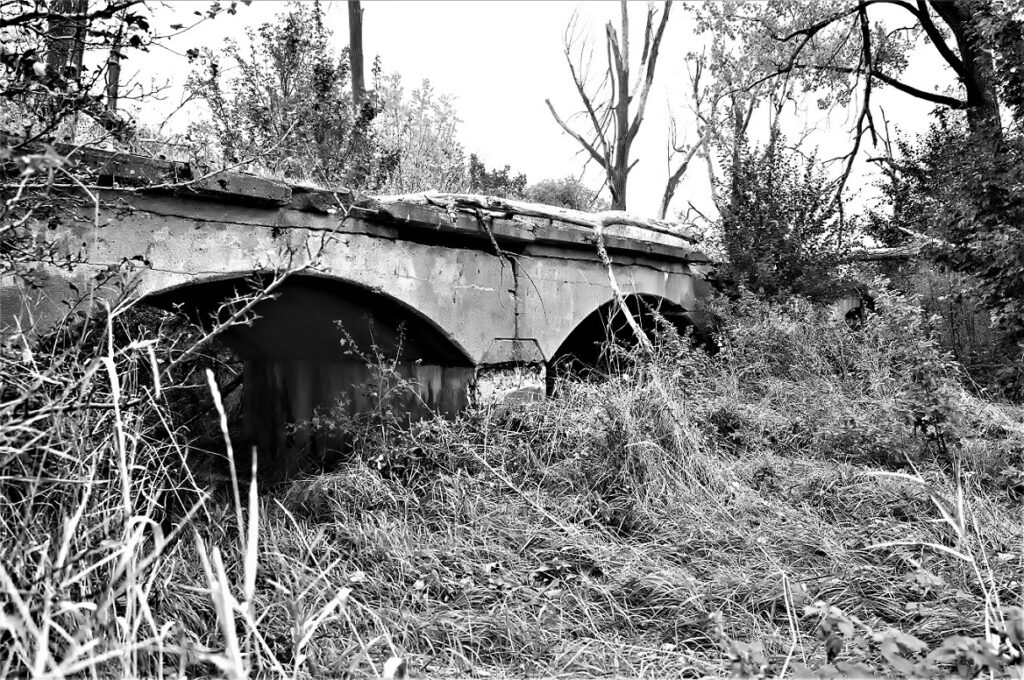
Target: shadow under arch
{"type": "Point", "coordinates": [322, 343]}
{"type": "Point", "coordinates": [598, 346]}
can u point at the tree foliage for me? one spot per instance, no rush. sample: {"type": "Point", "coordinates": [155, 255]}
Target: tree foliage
{"type": "Point", "coordinates": [970, 201]}
{"type": "Point", "coordinates": [417, 138]}
{"type": "Point", "coordinates": [568, 192]}
{"type": "Point", "coordinates": [46, 79]}
{"type": "Point", "coordinates": [780, 230]}
{"type": "Point", "coordinates": [959, 184]}
{"type": "Point", "coordinates": [840, 54]}
{"type": "Point", "coordinates": [502, 183]}
{"type": "Point", "coordinates": [54, 65]}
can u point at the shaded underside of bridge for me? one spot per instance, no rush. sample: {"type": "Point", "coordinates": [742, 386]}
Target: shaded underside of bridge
{"type": "Point", "coordinates": [442, 297]}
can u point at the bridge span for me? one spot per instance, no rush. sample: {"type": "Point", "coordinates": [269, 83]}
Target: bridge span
{"type": "Point", "coordinates": [464, 299]}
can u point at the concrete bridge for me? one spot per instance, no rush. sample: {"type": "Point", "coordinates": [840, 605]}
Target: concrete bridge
{"type": "Point", "coordinates": [463, 301]}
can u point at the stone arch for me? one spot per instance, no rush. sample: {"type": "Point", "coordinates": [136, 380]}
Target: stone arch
{"type": "Point", "coordinates": [589, 349]}
{"type": "Point", "coordinates": [213, 288]}
{"type": "Point", "coordinates": [327, 343]}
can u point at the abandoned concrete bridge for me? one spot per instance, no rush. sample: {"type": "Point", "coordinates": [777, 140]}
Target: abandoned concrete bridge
{"type": "Point", "coordinates": [452, 289]}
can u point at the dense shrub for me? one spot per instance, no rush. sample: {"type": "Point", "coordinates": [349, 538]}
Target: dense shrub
{"type": "Point", "coordinates": [781, 228]}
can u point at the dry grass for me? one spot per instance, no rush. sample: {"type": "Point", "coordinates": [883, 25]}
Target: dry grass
{"type": "Point", "coordinates": [691, 516]}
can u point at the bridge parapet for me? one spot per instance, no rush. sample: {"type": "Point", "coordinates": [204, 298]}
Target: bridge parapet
{"type": "Point", "coordinates": [479, 217]}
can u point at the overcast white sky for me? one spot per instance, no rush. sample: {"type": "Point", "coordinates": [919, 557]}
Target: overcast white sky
{"type": "Point", "coordinates": [500, 60]}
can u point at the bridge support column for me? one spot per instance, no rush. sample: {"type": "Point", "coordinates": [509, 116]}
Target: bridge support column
{"type": "Point", "coordinates": [496, 385]}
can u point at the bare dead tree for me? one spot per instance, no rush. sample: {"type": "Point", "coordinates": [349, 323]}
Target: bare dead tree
{"type": "Point", "coordinates": [705, 105]}
{"type": "Point", "coordinates": [608, 109]}
{"type": "Point", "coordinates": [67, 25]}
{"type": "Point", "coordinates": [355, 52]}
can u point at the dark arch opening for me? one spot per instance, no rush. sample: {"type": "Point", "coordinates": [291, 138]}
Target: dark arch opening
{"type": "Point", "coordinates": [320, 347]}
{"type": "Point", "coordinates": [600, 344]}
{"type": "Point", "coordinates": [859, 306]}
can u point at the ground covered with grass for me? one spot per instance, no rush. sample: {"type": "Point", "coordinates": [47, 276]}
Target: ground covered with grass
{"type": "Point", "coordinates": [812, 500]}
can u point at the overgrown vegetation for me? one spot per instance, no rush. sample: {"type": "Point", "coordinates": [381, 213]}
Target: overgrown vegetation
{"type": "Point", "coordinates": [781, 229]}
{"type": "Point", "coordinates": [284, 102]}
{"type": "Point", "coordinates": [813, 499]}
{"type": "Point", "coordinates": [964, 194]}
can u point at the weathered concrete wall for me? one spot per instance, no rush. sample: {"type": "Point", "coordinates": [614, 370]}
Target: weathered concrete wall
{"type": "Point", "coordinates": [495, 310]}
{"type": "Point", "coordinates": [560, 289]}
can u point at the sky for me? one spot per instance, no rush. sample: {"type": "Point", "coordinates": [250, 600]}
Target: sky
{"type": "Point", "coordinates": [499, 60]}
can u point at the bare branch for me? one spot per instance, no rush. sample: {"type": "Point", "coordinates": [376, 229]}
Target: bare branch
{"type": "Point", "coordinates": [865, 111]}
{"type": "Point", "coordinates": [676, 177]}
{"type": "Point", "coordinates": [649, 77]}
{"type": "Point", "coordinates": [578, 81]}
{"type": "Point", "coordinates": [951, 102]}
{"type": "Point", "coordinates": [577, 136]}
{"type": "Point", "coordinates": [924, 16]}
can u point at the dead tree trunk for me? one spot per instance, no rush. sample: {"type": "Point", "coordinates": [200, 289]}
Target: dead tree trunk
{"type": "Point", "coordinates": [67, 38]}
{"type": "Point", "coordinates": [355, 52]}
{"type": "Point", "coordinates": [114, 73]}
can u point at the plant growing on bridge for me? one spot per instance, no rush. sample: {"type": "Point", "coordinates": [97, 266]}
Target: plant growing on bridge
{"type": "Point", "coordinates": [494, 182]}
{"type": "Point", "coordinates": [284, 101]}
{"type": "Point", "coordinates": [417, 133]}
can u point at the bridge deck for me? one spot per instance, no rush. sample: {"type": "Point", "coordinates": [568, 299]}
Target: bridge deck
{"type": "Point", "coordinates": [413, 216]}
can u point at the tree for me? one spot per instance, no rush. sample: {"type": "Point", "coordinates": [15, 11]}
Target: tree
{"type": "Point", "coordinates": [417, 139]}
{"type": "Point", "coordinates": [49, 92]}
{"type": "Point", "coordinates": [566, 193]}
{"type": "Point", "coordinates": [355, 52]}
{"type": "Point", "coordinates": [44, 82]}
{"type": "Point", "coordinates": [780, 231]}
{"type": "Point", "coordinates": [968, 203]}
{"type": "Point", "coordinates": [289, 107]}
{"type": "Point", "coordinates": [957, 192]}
{"type": "Point", "coordinates": [842, 53]}
{"type": "Point", "coordinates": [501, 183]}
{"type": "Point", "coordinates": [607, 108]}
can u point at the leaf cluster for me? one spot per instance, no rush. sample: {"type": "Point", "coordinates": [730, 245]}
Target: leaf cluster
{"type": "Point", "coordinates": [417, 136]}
{"type": "Point", "coordinates": [965, 191]}
{"type": "Point", "coordinates": [567, 193]}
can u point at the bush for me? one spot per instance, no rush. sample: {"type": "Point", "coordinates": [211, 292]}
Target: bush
{"type": "Point", "coordinates": [780, 227]}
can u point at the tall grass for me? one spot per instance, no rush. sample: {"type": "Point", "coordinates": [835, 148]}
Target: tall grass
{"type": "Point", "coordinates": [811, 500]}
